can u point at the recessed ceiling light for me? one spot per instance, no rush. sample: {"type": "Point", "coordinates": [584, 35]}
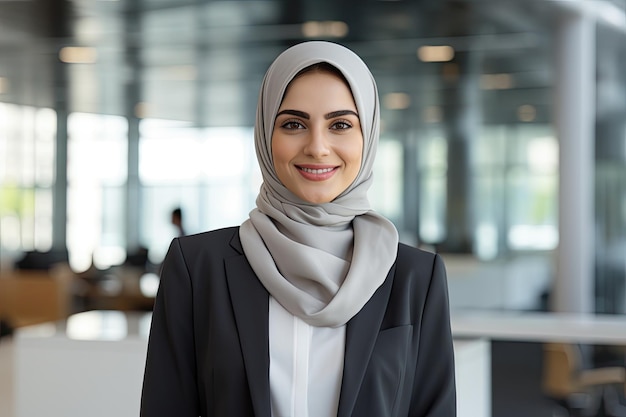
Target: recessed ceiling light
{"type": "Point", "coordinates": [397, 101]}
{"type": "Point", "coordinates": [325, 29]}
{"type": "Point", "coordinates": [78, 55]}
{"type": "Point", "coordinates": [429, 53]}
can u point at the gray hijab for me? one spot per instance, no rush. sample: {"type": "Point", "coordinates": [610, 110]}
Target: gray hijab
{"type": "Point", "coordinates": [321, 262]}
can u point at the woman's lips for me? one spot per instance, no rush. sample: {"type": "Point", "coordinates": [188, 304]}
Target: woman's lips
{"type": "Point", "coordinates": [316, 173]}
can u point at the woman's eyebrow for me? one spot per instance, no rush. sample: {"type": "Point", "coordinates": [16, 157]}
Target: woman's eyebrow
{"type": "Point", "coordinates": [327, 116]}
{"type": "Point", "coordinates": [297, 113]}
{"type": "Point", "coordinates": [339, 113]}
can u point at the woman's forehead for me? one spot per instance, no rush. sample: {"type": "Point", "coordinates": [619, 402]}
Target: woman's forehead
{"type": "Point", "coordinates": [313, 81]}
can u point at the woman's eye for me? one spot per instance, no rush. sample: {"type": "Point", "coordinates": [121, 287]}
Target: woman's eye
{"type": "Point", "coordinates": [292, 124]}
{"type": "Point", "coordinates": [341, 125]}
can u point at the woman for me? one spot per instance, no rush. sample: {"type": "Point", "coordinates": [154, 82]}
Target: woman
{"type": "Point", "coordinates": [311, 307]}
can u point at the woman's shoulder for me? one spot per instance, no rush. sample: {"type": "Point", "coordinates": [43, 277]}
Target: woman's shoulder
{"type": "Point", "coordinates": [418, 272]}
{"type": "Point", "coordinates": [223, 239]}
{"type": "Point", "coordinates": [411, 259]}
{"type": "Point", "coordinates": [219, 234]}
{"type": "Point", "coordinates": [407, 252]}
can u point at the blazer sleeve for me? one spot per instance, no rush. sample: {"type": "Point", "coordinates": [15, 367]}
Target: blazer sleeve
{"type": "Point", "coordinates": [436, 395]}
{"type": "Point", "coordinates": [169, 384]}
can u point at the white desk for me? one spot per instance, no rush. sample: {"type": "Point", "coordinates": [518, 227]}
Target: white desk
{"type": "Point", "coordinates": [540, 327]}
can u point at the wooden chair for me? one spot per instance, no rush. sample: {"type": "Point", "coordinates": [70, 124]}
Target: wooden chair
{"type": "Point", "coordinates": [581, 392]}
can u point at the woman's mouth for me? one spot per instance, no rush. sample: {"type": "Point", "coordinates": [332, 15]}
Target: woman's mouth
{"type": "Point", "coordinates": [316, 174]}
{"type": "Point", "coordinates": [316, 171]}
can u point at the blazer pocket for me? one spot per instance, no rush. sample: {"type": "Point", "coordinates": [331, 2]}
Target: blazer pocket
{"type": "Point", "coordinates": [386, 370]}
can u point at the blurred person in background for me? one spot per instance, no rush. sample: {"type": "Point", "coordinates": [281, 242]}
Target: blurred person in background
{"type": "Point", "coordinates": [177, 221]}
{"type": "Point", "coordinates": [311, 307]}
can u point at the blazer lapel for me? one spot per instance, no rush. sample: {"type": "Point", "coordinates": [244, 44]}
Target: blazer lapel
{"type": "Point", "coordinates": [361, 333]}
{"type": "Point", "coordinates": [250, 302]}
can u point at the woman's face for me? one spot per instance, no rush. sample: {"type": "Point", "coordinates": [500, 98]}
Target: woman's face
{"type": "Point", "coordinates": [317, 143]}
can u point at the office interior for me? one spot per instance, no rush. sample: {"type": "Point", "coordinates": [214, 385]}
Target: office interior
{"type": "Point", "coordinates": [503, 148]}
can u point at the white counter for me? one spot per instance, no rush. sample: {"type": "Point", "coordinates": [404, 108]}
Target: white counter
{"type": "Point", "coordinates": [92, 365]}
{"type": "Point", "coordinates": [473, 377]}
{"type": "Point", "coordinates": [540, 327]}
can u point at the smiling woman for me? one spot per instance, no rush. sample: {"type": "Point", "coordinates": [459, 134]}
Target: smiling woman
{"type": "Point", "coordinates": [311, 307]}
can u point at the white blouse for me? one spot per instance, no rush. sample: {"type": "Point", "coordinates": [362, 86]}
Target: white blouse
{"type": "Point", "coordinates": [306, 365]}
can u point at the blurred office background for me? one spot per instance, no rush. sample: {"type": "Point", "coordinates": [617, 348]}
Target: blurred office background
{"type": "Point", "coordinates": [503, 143]}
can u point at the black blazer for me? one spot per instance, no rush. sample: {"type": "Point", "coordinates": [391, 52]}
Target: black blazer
{"type": "Point", "coordinates": [208, 352]}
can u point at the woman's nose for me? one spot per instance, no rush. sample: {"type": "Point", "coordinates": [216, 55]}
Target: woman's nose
{"type": "Point", "coordinates": [317, 144]}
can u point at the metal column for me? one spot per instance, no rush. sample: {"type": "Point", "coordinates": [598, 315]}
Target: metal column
{"type": "Point", "coordinates": [575, 115]}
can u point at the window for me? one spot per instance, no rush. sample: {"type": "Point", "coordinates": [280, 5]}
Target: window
{"type": "Point", "coordinates": [27, 151]}
{"type": "Point", "coordinates": [97, 171]}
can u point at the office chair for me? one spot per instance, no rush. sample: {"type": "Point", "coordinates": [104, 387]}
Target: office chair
{"type": "Point", "coordinates": [581, 392]}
